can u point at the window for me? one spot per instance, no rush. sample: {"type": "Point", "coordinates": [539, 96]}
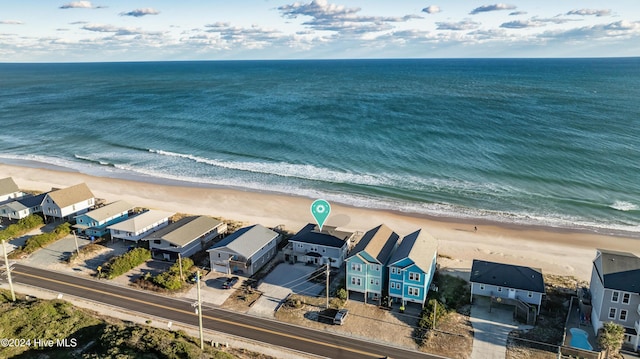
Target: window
{"type": "Point", "coordinates": [395, 285]}
{"type": "Point", "coordinates": [375, 267]}
{"type": "Point", "coordinates": [355, 281]}
{"type": "Point", "coordinates": [375, 281]}
{"type": "Point", "coordinates": [356, 267]}
{"type": "Point", "coordinates": [625, 298]}
{"type": "Point", "coordinates": [481, 286]}
{"type": "Point", "coordinates": [499, 289]}
{"type": "Point", "coordinates": [615, 296]}
{"type": "Point", "coordinates": [623, 315]}
{"type": "Point", "coordinates": [414, 276]}
{"type": "Point", "coordinates": [530, 294]}
{"type": "Point", "coordinates": [394, 270]}
{"type": "Point", "coordinates": [414, 291]}
{"type": "Point", "coordinates": [612, 313]}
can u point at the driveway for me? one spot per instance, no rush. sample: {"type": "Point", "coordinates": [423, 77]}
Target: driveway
{"type": "Point", "coordinates": [283, 280]}
{"type": "Point", "coordinates": [491, 329]}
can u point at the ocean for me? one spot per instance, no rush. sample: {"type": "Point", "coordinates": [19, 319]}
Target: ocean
{"type": "Point", "coordinates": [551, 142]}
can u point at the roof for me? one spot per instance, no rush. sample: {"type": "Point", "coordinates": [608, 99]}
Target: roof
{"type": "Point", "coordinates": [418, 246]}
{"type": "Point", "coordinates": [186, 230]}
{"type": "Point", "coordinates": [141, 221]}
{"type": "Point", "coordinates": [247, 241]}
{"type": "Point", "coordinates": [71, 195]}
{"type": "Point", "coordinates": [309, 234]}
{"type": "Point", "coordinates": [507, 275]}
{"type": "Point", "coordinates": [621, 270]}
{"type": "Point", "coordinates": [32, 201]}
{"type": "Point", "coordinates": [8, 186]}
{"type": "Point", "coordinates": [14, 206]}
{"type": "Point", "coordinates": [378, 243]}
{"type": "Point", "coordinates": [108, 211]}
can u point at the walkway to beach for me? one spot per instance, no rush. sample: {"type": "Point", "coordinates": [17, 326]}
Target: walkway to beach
{"type": "Point", "coordinates": [491, 329]}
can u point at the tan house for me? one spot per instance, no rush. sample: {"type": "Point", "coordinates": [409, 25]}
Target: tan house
{"type": "Point", "coordinates": [68, 202]}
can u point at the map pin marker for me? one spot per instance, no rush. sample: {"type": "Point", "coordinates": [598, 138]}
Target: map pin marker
{"type": "Point", "coordinates": [320, 210]}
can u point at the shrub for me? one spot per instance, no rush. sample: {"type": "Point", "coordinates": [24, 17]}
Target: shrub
{"type": "Point", "coordinates": [342, 294]}
{"type": "Point", "coordinates": [23, 226]}
{"type": "Point", "coordinates": [40, 240]}
{"type": "Point", "coordinates": [171, 278]}
{"type": "Point", "coordinates": [126, 262]}
{"type": "Point", "coordinates": [427, 318]}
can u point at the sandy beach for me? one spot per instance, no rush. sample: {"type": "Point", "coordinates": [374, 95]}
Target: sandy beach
{"type": "Point", "coordinates": [555, 251]}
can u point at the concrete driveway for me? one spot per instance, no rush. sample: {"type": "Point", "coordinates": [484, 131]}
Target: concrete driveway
{"type": "Point", "coordinates": [284, 279]}
{"type": "Point", "coordinates": [491, 329]}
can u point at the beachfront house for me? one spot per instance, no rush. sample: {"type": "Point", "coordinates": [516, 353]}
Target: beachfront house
{"type": "Point", "coordinates": [411, 268]}
{"type": "Point", "coordinates": [615, 293]}
{"type": "Point", "coordinates": [22, 207]}
{"type": "Point", "coordinates": [94, 223]}
{"type": "Point", "coordinates": [141, 225]}
{"type": "Point", "coordinates": [367, 263]}
{"type": "Point", "coordinates": [245, 251]}
{"type": "Point", "coordinates": [185, 237]}
{"type": "Point", "coordinates": [507, 283]}
{"type": "Point", "coordinates": [68, 202]}
{"type": "Point", "coordinates": [9, 190]}
{"type": "Point", "coordinates": [316, 247]}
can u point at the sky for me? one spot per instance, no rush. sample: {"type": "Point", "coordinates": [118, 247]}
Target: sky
{"type": "Point", "coordinates": [160, 30]}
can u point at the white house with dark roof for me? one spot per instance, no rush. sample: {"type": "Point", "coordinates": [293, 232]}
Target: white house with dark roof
{"type": "Point", "coordinates": [9, 190]}
{"type": "Point", "coordinates": [22, 207]}
{"type": "Point", "coordinates": [141, 225]}
{"type": "Point", "coordinates": [318, 247]}
{"type": "Point", "coordinates": [411, 268]}
{"type": "Point", "coordinates": [366, 268]}
{"type": "Point", "coordinates": [615, 293]}
{"type": "Point", "coordinates": [508, 281]}
{"type": "Point", "coordinates": [245, 251]}
{"type": "Point", "coordinates": [95, 222]}
{"type": "Point", "coordinates": [67, 202]}
{"type": "Point", "coordinates": [185, 237]}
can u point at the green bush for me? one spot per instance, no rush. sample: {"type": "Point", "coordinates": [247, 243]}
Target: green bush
{"type": "Point", "coordinates": [38, 241]}
{"type": "Point", "coordinates": [342, 294]}
{"type": "Point", "coordinates": [126, 262]}
{"type": "Point", "coordinates": [171, 278]}
{"type": "Point", "coordinates": [23, 226]}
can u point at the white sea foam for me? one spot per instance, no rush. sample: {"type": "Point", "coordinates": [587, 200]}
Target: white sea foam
{"type": "Point", "coordinates": [624, 206]}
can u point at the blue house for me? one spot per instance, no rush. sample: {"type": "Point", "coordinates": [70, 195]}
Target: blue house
{"type": "Point", "coordinates": [411, 268]}
{"type": "Point", "coordinates": [366, 265]}
{"type": "Point", "coordinates": [95, 223]}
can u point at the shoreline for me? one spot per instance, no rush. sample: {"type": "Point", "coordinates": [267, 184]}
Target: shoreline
{"type": "Point", "coordinates": [560, 251]}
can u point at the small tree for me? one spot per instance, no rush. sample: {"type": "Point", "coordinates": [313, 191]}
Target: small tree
{"type": "Point", "coordinates": [611, 337]}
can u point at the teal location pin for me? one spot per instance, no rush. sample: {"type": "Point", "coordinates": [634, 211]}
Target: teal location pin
{"type": "Point", "coordinates": [320, 210]}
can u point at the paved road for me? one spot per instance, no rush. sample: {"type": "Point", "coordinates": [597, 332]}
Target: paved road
{"type": "Point", "coordinates": [263, 330]}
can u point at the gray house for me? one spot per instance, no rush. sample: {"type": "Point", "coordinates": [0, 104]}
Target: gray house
{"type": "Point", "coordinates": [318, 247]}
{"type": "Point", "coordinates": [615, 293]}
{"type": "Point", "coordinates": [185, 237]}
{"type": "Point", "coordinates": [507, 281]}
{"type": "Point", "coordinates": [9, 190]}
{"type": "Point", "coordinates": [245, 251]}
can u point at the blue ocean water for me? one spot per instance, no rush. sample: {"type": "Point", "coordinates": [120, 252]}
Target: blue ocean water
{"type": "Point", "coordinates": [552, 142]}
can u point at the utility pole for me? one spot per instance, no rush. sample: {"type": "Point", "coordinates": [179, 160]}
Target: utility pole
{"type": "Point", "coordinates": [180, 264]}
{"type": "Point", "coordinates": [76, 240]}
{"type": "Point", "coordinates": [327, 290]}
{"type": "Point", "coordinates": [6, 263]}
{"type": "Point", "coordinates": [435, 307]}
{"type": "Point", "coordinates": [200, 311]}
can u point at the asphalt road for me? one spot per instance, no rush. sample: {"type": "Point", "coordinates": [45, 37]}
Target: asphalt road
{"type": "Point", "coordinates": [267, 331]}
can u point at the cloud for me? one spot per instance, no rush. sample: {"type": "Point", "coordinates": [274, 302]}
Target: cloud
{"type": "Point", "coordinates": [141, 12]}
{"type": "Point", "coordinates": [520, 24]}
{"type": "Point", "coordinates": [495, 7]}
{"type": "Point", "coordinates": [623, 29]}
{"type": "Point", "coordinates": [11, 22]}
{"type": "Point", "coordinates": [432, 9]}
{"type": "Point", "coordinates": [457, 26]}
{"type": "Point", "coordinates": [587, 12]}
{"type": "Point", "coordinates": [78, 23]}
{"type": "Point", "coordinates": [117, 31]}
{"type": "Point", "coordinates": [344, 20]}
{"type": "Point", "coordinates": [81, 5]}
{"type": "Point", "coordinates": [517, 13]}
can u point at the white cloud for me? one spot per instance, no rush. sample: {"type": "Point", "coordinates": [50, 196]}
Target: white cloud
{"type": "Point", "coordinates": [11, 22]}
{"type": "Point", "coordinates": [80, 5]}
{"type": "Point", "coordinates": [117, 31]}
{"type": "Point", "coordinates": [140, 12]}
{"type": "Point", "coordinates": [432, 9]}
{"type": "Point", "coordinates": [457, 26]}
{"type": "Point", "coordinates": [515, 13]}
{"type": "Point", "coordinates": [521, 24]}
{"type": "Point", "coordinates": [495, 7]}
{"type": "Point", "coordinates": [587, 12]}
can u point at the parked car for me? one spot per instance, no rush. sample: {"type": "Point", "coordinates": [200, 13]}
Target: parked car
{"type": "Point", "coordinates": [230, 282]}
{"type": "Point", "coordinates": [340, 317]}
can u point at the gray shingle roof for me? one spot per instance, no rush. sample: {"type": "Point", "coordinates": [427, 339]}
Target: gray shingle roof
{"type": "Point", "coordinates": [247, 241]}
{"type": "Point", "coordinates": [71, 195]}
{"type": "Point", "coordinates": [418, 246]}
{"type": "Point", "coordinates": [140, 221]}
{"type": "Point", "coordinates": [621, 270]}
{"type": "Point", "coordinates": [32, 201]}
{"type": "Point", "coordinates": [378, 242]}
{"type": "Point", "coordinates": [109, 210]}
{"type": "Point", "coordinates": [186, 230]}
{"type": "Point", "coordinates": [8, 186]}
{"type": "Point", "coordinates": [507, 275]}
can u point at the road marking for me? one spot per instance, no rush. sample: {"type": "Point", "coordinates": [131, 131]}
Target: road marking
{"type": "Point", "coordinates": [204, 316]}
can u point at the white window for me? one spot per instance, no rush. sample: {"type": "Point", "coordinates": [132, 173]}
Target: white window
{"type": "Point", "coordinates": [356, 267]}
{"type": "Point", "coordinates": [414, 291]}
{"type": "Point", "coordinates": [395, 270]}
{"type": "Point", "coordinates": [395, 285]}
{"type": "Point", "coordinates": [623, 315]}
{"type": "Point", "coordinates": [414, 276]}
{"type": "Point", "coordinates": [612, 313]}
{"type": "Point", "coordinates": [499, 289]}
{"type": "Point", "coordinates": [481, 286]}
{"type": "Point", "coordinates": [375, 267]}
{"type": "Point", "coordinates": [530, 294]}
{"type": "Point", "coordinates": [615, 296]}
{"type": "Point", "coordinates": [355, 281]}
{"type": "Point", "coordinates": [625, 298]}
